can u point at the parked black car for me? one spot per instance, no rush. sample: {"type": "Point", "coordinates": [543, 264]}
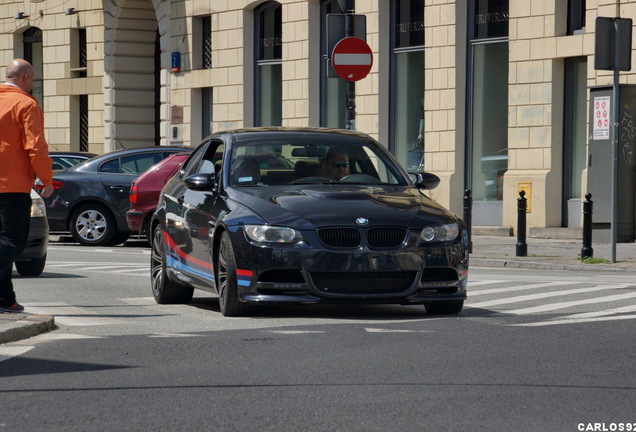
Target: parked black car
{"type": "Point", "coordinates": [90, 199]}
{"type": "Point", "coordinates": [293, 235]}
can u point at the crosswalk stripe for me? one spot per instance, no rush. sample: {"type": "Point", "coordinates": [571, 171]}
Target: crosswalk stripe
{"type": "Point", "coordinates": [615, 311]}
{"type": "Point", "coordinates": [540, 296]}
{"type": "Point", "coordinates": [519, 288]}
{"type": "Point", "coordinates": [565, 305]}
{"type": "Point", "coordinates": [576, 321]}
{"type": "Point", "coordinates": [472, 283]}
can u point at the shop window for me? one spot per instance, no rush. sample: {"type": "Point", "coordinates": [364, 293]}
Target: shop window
{"type": "Point", "coordinates": [268, 65]}
{"type": "Point", "coordinates": [333, 90]}
{"type": "Point", "coordinates": [407, 77]}
{"type": "Point", "coordinates": [487, 140]}
{"type": "Point", "coordinates": [574, 137]}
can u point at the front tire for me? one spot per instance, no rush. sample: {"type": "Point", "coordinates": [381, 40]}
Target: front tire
{"type": "Point", "coordinates": [227, 283]}
{"type": "Point", "coordinates": [165, 290]}
{"type": "Point", "coordinates": [448, 307]}
{"type": "Point", "coordinates": [34, 267]}
{"type": "Point", "coordinates": [93, 225]}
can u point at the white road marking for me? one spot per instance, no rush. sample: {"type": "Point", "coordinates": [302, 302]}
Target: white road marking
{"type": "Point", "coordinates": [565, 305]}
{"type": "Point", "coordinates": [485, 282]}
{"type": "Point", "coordinates": [172, 335]}
{"type": "Point", "coordinates": [540, 296]}
{"type": "Point", "coordinates": [519, 288]}
{"type": "Point", "coordinates": [292, 332]}
{"type": "Point", "coordinates": [576, 321]}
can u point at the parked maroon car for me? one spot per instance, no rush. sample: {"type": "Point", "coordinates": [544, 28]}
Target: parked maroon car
{"type": "Point", "coordinates": [145, 189]}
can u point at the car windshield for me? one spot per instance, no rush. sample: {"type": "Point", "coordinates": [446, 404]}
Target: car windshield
{"type": "Point", "coordinates": [310, 160]}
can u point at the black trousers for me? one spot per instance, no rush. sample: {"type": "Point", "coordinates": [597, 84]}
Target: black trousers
{"type": "Point", "coordinates": [15, 220]}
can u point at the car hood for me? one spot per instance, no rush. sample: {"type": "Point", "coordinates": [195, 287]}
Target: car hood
{"type": "Point", "coordinates": [310, 207]}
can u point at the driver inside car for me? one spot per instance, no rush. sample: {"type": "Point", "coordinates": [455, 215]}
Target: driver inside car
{"type": "Point", "coordinates": [335, 165]}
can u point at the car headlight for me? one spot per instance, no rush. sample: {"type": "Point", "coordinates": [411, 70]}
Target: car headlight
{"type": "Point", "coordinates": [440, 233]}
{"type": "Point", "coordinates": [37, 208]}
{"type": "Point", "coordinates": [271, 234]}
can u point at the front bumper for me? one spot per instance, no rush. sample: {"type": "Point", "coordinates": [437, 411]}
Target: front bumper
{"type": "Point", "coordinates": [38, 240]}
{"type": "Point", "coordinates": [301, 273]}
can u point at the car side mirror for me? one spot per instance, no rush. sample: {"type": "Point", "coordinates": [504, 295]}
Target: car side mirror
{"type": "Point", "coordinates": [201, 182]}
{"type": "Point", "coordinates": [425, 180]}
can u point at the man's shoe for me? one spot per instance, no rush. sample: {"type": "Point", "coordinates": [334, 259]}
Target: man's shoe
{"type": "Point", "coordinates": [14, 308]}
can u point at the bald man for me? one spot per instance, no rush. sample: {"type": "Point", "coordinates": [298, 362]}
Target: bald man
{"type": "Point", "coordinates": [24, 155]}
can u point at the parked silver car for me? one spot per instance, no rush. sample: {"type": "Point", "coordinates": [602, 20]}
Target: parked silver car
{"type": "Point", "coordinates": [33, 259]}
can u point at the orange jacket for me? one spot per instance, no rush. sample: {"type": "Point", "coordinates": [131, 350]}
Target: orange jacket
{"type": "Point", "coordinates": [23, 148]}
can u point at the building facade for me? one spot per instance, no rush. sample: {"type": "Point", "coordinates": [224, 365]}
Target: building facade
{"type": "Point", "coordinates": [494, 96]}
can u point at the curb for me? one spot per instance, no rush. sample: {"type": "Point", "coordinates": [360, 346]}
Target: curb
{"type": "Point", "coordinates": [504, 263]}
{"type": "Point", "coordinates": [25, 327]}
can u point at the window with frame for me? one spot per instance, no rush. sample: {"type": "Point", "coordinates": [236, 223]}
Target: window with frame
{"type": "Point", "coordinates": [206, 111]}
{"type": "Point", "coordinates": [79, 60]}
{"type": "Point", "coordinates": [32, 47]}
{"type": "Point", "coordinates": [576, 16]}
{"type": "Point", "coordinates": [83, 122]}
{"type": "Point", "coordinates": [206, 42]}
{"type": "Point", "coordinates": [268, 65]}
{"type": "Point", "coordinates": [202, 42]}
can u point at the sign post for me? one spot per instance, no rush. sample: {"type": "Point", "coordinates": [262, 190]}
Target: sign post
{"type": "Point", "coordinates": [612, 36]}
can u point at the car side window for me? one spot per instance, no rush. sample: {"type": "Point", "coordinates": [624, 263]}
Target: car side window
{"type": "Point", "coordinates": [136, 164]}
{"type": "Point", "coordinates": [191, 165]}
{"type": "Point", "coordinates": [211, 162]}
{"type": "Point", "coordinates": [111, 166]}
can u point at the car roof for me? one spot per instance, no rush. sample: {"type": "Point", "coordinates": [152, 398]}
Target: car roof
{"type": "Point", "coordinates": [253, 132]}
{"type": "Point", "coordinates": [98, 160]}
{"type": "Point", "coordinates": [72, 153]}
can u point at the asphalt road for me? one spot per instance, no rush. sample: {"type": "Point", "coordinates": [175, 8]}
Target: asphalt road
{"type": "Point", "coordinates": [532, 351]}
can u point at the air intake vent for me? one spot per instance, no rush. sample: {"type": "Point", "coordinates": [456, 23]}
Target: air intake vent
{"type": "Point", "coordinates": [386, 238]}
{"type": "Point", "coordinates": [344, 238]}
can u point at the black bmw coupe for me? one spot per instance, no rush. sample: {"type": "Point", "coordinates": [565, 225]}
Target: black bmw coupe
{"type": "Point", "coordinates": [341, 222]}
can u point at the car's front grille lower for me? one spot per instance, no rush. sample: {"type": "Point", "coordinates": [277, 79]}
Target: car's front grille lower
{"type": "Point", "coordinates": [352, 238]}
{"type": "Point", "coordinates": [363, 283]}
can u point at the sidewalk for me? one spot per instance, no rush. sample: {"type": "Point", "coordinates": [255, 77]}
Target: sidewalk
{"type": "Point", "coordinates": [550, 254]}
{"type": "Point", "coordinates": [488, 251]}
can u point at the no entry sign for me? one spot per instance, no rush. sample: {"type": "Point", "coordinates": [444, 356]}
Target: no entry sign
{"type": "Point", "coordinates": [352, 59]}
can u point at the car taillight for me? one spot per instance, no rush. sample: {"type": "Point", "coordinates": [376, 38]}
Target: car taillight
{"type": "Point", "coordinates": [57, 184]}
{"type": "Point", "coordinates": [133, 194]}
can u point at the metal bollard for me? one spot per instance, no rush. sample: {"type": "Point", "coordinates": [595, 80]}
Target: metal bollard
{"type": "Point", "coordinates": [588, 204]}
{"type": "Point", "coordinates": [522, 203]}
{"type": "Point", "coordinates": [468, 217]}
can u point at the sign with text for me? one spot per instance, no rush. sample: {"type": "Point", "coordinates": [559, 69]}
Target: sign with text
{"type": "Point", "coordinates": [601, 126]}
